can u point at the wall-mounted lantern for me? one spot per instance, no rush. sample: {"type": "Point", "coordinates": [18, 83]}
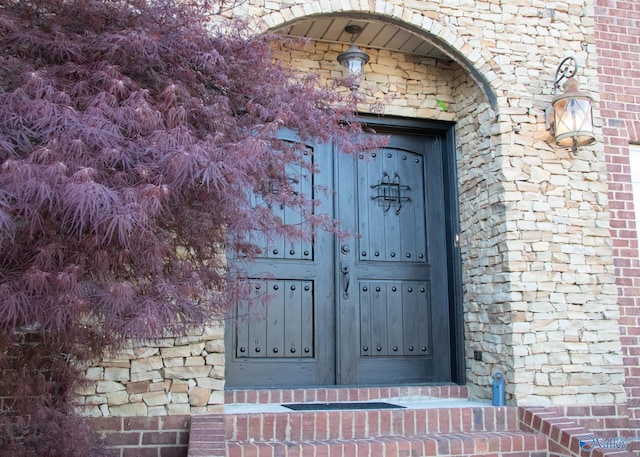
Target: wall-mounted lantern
{"type": "Point", "coordinates": [353, 59]}
{"type": "Point", "coordinates": [570, 116]}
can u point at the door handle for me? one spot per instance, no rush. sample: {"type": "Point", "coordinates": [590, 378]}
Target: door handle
{"type": "Point", "coordinates": [346, 280]}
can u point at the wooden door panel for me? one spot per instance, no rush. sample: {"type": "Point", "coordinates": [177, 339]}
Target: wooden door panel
{"type": "Point", "coordinates": [417, 317]}
{"type": "Point", "coordinates": [370, 309]}
{"type": "Point", "coordinates": [412, 213]}
{"type": "Point", "coordinates": [395, 319]}
{"type": "Point", "coordinates": [277, 247]}
{"type": "Point", "coordinates": [281, 327]}
{"type": "Point", "coordinates": [391, 316]}
{"type": "Point", "coordinates": [391, 207]}
{"type": "Point", "coordinates": [284, 335]}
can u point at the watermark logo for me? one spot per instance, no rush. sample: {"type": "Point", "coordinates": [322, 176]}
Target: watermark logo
{"type": "Point", "coordinates": [590, 442]}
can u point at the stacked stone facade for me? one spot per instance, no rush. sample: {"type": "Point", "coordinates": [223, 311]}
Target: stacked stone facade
{"type": "Point", "coordinates": [173, 376]}
{"type": "Point", "coordinates": [539, 289]}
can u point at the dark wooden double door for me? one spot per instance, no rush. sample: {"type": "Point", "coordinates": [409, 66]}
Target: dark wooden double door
{"type": "Point", "coordinates": [371, 308]}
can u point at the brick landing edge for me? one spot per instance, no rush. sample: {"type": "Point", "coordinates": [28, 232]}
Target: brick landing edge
{"type": "Point", "coordinates": [561, 434]}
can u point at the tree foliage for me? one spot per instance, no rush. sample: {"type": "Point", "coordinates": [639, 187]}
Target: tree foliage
{"type": "Point", "coordinates": [132, 134]}
{"type": "Point", "coordinates": [37, 418]}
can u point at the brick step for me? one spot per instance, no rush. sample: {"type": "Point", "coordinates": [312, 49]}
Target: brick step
{"type": "Point", "coordinates": [469, 431]}
{"type": "Point", "coordinates": [360, 424]}
{"type": "Point", "coordinates": [470, 444]}
{"type": "Point", "coordinates": [332, 394]}
{"type": "Point", "coordinates": [437, 421]}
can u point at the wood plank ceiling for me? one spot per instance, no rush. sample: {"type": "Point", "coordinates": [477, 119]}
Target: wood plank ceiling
{"type": "Point", "coordinates": [376, 35]}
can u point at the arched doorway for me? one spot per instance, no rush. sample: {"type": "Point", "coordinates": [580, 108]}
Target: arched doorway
{"type": "Point", "coordinates": [345, 350]}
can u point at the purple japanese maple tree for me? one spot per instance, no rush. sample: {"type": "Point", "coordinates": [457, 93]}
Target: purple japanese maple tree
{"type": "Point", "coordinates": [132, 134]}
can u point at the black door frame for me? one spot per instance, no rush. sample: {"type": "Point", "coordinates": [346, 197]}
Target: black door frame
{"type": "Point", "coordinates": [444, 130]}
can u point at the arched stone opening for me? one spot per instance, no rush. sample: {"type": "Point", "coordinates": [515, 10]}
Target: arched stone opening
{"type": "Point", "coordinates": [444, 87]}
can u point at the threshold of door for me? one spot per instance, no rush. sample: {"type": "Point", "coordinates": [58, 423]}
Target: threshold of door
{"type": "Point", "coordinates": [398, 403]}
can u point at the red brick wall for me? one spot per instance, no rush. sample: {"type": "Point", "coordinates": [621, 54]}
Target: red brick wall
{"type": "Point", "coordinates": [565, 433]}
{"type": "Point", "coordinates": [166, 436]}
{"type": "Point", "coordinates": [618, 44]}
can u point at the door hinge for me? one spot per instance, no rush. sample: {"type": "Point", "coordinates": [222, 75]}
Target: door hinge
{"type": "Point", "coordinates": [456, 240]}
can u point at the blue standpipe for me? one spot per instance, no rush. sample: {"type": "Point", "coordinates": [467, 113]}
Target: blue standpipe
{"type": "Point", "coordinates": [498, 389]}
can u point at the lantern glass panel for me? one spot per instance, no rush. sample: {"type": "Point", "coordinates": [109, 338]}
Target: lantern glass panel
{"type": "Point", "coordinates": [573, 121]}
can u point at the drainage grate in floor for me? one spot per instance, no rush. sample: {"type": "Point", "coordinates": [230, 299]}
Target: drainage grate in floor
{"type": "Point", "coordinates": [340, 406]}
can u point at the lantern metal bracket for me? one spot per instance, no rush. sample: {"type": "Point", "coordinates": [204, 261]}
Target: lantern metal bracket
{"type": "Point", "coordinates": [567, 69]}
{"type": "Point", "coordinates": [354, 30]}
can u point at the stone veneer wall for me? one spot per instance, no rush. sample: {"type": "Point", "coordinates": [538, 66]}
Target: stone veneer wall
{"type": "Point", "coordinates": [481, 226]}
{"type": "Point", "coordinates": [395, 84]}
{"type": "Point", "coordinates": [539, 293]}
{"type": "Point", "coordinates": [172, 376]}
{"type": "Point", "coordinates": [537, 260]}
{"type": "Point", "coordinates": [618, 44]}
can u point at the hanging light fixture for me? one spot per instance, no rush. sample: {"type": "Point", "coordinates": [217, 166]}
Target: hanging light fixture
{"type": "Point", "coordinates": [353, 59]}
{"type": "Point", "coordinates": [570, 115]}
